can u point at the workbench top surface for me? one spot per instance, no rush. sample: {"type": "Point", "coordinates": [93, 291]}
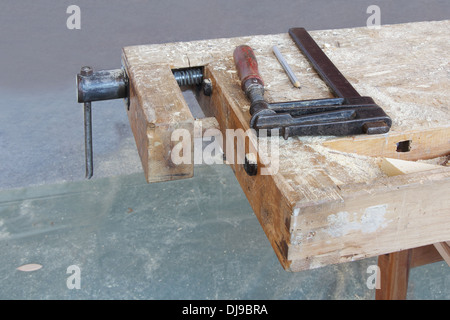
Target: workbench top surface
{"type": "Point", "coordinates": [329, 201]}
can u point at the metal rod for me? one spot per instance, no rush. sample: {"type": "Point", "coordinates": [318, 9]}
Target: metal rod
{"type": "Point", "coordinates": [286, 67]}
{"type": "Point", "coordinates": [88, 152]}
{"type": "Point", "coordinates": [88, 140]}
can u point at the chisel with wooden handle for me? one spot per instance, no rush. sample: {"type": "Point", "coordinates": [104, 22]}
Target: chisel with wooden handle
{"type": "Point", "coordinates": [251, 81]}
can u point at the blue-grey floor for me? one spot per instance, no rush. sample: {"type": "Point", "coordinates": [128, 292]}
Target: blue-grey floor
{"type": "Point", "coordinates": [187, 239]}
{"type": "Point", "coordinates": [195, 238]}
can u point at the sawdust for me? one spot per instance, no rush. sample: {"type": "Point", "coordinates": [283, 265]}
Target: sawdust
{"type": "Point", "coordinates": [306, 156]}
{"type": "Point", "coordinates": [349, 167]}
{"type": "Point", "coordinates": [439, 161]}
{"type": "Point", "coordinates": [408, 79]}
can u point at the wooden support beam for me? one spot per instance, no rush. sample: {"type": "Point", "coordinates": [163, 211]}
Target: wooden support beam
{"type": "Point", "coordinates": [394, 274]}
{"type": "Point", "coordinates": [424, 255]}
{"type": "Point", "coordinates": [444, 250]}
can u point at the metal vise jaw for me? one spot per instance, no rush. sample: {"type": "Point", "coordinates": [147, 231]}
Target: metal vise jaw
{"type": "Point", "coordinates": [98, 86]}
{"type": "Point", "coordinates": [114, 84]}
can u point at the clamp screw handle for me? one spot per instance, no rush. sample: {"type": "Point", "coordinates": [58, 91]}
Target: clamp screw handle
{"type": "Point", "coordinates": [88, 150]}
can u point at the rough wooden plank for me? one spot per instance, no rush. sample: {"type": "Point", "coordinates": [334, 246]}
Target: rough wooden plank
{"type": "Point", "coordinates": [426, 143]}
{"type": "Point", "coordinates": [157, 108]}
{"type": "Point", "coordinates": [390, 214]}
{"type": "Point", "coordinates": [266, 193]}
{"type": "Point", "coordinates": [395, 167]}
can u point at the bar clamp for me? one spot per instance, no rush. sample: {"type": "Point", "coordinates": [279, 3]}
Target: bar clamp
{"type": "Point", "coordinates": [348, 113]}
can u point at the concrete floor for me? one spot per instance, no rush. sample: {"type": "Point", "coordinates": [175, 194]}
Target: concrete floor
{"type": "Point", "coordinates": [192, 239]}
{"type": "Point", "coordinates": [186, 239]}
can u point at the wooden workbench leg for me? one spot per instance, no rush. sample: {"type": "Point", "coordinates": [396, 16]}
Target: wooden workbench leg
{"type": "Point", "coordinates": [394, 274]}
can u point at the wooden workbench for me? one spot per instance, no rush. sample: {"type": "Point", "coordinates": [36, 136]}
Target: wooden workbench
{"type": "Point", "coordinates": [330, 201]}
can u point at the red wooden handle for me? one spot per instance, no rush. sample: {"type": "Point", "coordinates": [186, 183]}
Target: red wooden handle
{"type": "Point", "coordinates": [246, 65]}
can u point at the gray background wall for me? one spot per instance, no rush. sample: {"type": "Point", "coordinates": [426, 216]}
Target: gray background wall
{"type": "Point", "coordinates": [41, 128]}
